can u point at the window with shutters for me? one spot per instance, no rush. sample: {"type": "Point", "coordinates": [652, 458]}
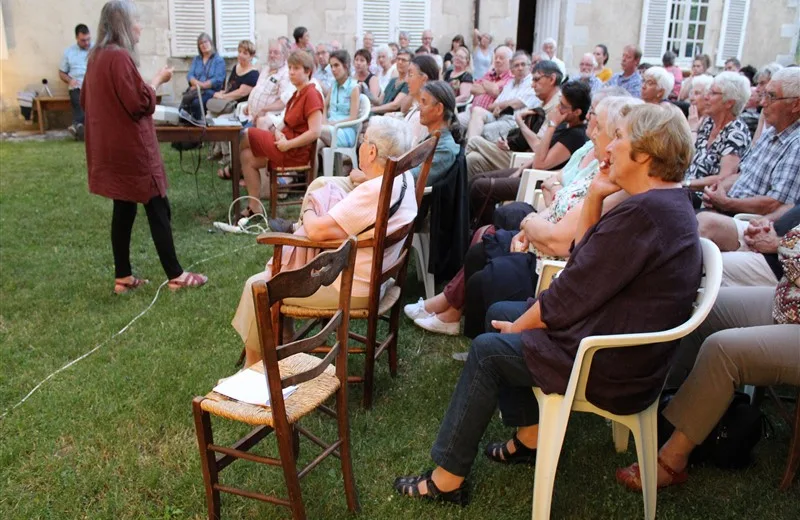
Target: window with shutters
{"type": "Point", "coordinates": [676, 25]}
{"type": "Point", "coordinates": [386, 18]}
{"type": "Point", "coordinates": [734, 24]}
{"type": "Point", "coordinates": [227, 21]}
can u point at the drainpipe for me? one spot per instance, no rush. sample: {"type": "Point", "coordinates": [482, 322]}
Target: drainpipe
{"type": "Point", "coordinates": [477, 12]}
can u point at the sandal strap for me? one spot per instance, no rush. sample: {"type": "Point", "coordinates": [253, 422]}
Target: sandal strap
{"type": "Point", "coordinates": [671, 472]}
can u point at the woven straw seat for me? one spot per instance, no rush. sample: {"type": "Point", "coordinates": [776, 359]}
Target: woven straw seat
{"type": "Point", "coordinates": [391, 297]}
{"type": "Point", "coordinates": [305, 399]}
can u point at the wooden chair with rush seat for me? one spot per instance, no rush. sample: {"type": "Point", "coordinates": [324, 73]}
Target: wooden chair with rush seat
{"type": "Point", "coordinates": [299, 179]}
{"type": "Point", "coordinates": [386, 308]}
{"type": "Point", "coordinates": [316, 381]}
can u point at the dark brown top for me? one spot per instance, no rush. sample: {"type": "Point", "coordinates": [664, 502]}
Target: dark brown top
{"type": "Point", "coordinates": [636, 270]}
{"type": "Point", "coordinates": [122, 152]}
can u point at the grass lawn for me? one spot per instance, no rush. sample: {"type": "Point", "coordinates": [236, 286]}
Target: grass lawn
{"type": "Point", "coordinates": [113, 437]}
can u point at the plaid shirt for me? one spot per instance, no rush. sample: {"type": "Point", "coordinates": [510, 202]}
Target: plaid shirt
{"type": "Point", "coordinates": [771, 167]}
{"type": "Point", "coordinates": [269, 89]}
{"type": "Point", "coordinates": [632, 83]}
{"type": "Point", "coordinates": [484, 100]}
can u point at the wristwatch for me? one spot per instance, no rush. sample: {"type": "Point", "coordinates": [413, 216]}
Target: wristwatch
{"type": "Point", "coordinates": [551, 123]}
{"type": "Point", "coordinates": [686, 183]}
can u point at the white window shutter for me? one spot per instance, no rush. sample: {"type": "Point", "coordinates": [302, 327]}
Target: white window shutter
{"type": "Point", "coordinates": [375, 18]}
{"type": "Point", "coordinates": [234, 21]}
{"type": "Point", "coordinates": [653, 32]}
{"type": "Point", "coordinates": [414, 18]}
{"type": "Point", "coordinates": [187, 19]}
{"type": "Point", "coordinates": [734, 25]}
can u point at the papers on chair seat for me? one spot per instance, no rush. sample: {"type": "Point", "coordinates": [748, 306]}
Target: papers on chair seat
{"type": "Point", "coordinates": [249, 386]}
{"type": "Point", "coordinates": [226, 120]}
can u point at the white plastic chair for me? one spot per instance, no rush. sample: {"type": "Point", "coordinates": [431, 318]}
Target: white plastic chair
{"type": "Point", "coordinates": [464, 106]}
{"type": "Point", "coordinates": [528, 192]}
{"type": "Point", "coordinates": [421, 243]}
{"type": "Point", "coordinates": [328, 153]}
{"type": "Point", "coordinates": [520, 158]}
{"type": "Point", "coordinates": [554, 409]}
{"type": "Point", "coordinates": [747, 217]}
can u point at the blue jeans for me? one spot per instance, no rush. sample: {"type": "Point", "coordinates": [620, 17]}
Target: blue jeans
{"type": "Point", "coordinates": [495, 375]}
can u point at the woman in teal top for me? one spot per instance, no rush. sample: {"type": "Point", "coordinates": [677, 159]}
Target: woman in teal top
{"type": "Point", "coordinates": [342, 101]}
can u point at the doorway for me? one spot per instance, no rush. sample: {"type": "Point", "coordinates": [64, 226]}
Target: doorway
{"type": "Point", "coordinates": [525, 24]}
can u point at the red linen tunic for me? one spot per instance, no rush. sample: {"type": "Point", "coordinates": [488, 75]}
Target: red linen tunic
{"type": "Point", "coordinates": [122, 152]}
{"type": "Point", "coordinates": [301, 105]}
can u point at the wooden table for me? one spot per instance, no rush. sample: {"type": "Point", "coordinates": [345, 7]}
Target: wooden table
{"type": "Point", "coordinates": [225, 134]}
{"type": "Point", "coordinates": [44, 104]}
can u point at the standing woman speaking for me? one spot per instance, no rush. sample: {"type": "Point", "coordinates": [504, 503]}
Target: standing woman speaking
{"type": "Point", "coordinates": [122, 151]}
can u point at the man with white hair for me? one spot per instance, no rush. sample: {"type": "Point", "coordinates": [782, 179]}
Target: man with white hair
{"type": "Point", "coordinates": [487, 88]}
{"type": "Point", "coordinates": [403, 40]}
{"type": "Point", "coordinates": [657, 85]}
{"type": "Point", "coordinates": [586, 67]}
{"type": "Point", "coordinates": [629, 78]}
{"type": "Point", "coordinates": [768, 182]}
{"type": "Point", "coordinates": [427, 42]}
{"type": "Point", "coordinates": [495, 121]}
{"type": "Point", "coordinates": [549, 48]}
{"type": "Point", "coordinates": [323, 73]}
{"type": "Point", "coordinates": [273, 90]}
{"type": "Point", "coordinates": [732, 65]}
{"type": "Point", "coordinates": [368, 42]}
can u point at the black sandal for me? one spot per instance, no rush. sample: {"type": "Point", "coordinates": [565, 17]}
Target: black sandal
{"type": "Point", "coordinates": [498, 452]}
{"type": "Point", "coordinates": [409, 486]}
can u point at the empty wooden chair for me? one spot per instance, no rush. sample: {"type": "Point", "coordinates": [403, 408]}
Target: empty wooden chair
{"type": "Point", "coordinates": [315, 379]}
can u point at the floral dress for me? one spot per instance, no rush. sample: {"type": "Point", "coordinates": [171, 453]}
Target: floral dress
{"type": "Point", "coordinates": [733, 139]}
{"type": "Point", "coordinates": [787, 294]}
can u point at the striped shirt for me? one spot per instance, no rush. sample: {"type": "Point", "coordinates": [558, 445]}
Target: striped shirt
{"type": "Point", "coordinates": [771, 168]}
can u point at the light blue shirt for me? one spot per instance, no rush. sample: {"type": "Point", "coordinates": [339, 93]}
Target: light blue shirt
{"type": "Point", "coordinates": [74, 62]}
{"type": "Point", "coordinates": [443, 157]}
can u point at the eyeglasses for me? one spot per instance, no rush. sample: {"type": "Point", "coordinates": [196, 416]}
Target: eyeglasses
{"type": "Point", "coordinates": [564, 108]}
{"type": "Point", "coordinates": [769, 97]}
{"type": "Point", "coordinates": [537, 78]}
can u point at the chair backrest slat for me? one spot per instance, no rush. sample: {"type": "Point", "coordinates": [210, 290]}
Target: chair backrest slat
{"type": "Point", "coordinates": [306, 280]}
{"type": "Point", "coordinates": [312, 342]}
{"type": "Point", "coordinates": [312, 373]}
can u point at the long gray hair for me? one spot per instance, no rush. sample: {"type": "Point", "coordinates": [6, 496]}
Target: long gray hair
{"type": "Point", "coordinates": [116, 28]}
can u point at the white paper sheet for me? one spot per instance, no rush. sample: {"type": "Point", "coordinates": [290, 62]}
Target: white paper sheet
{"type": "Point", "coordinates": [249, 386]}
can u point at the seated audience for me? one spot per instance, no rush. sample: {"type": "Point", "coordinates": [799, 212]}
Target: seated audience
{"type": "Point", "coordinates": [656, 85]}
{"type": "Point", "coordinates": [456, 43]}
{"type": "Point", "coordinates": [71, 71]}
{"type": "Point", "coordinates": [767, 179]}
{"type": "Point", "coordinates": [484, 155]}
{"type": "Point", "coordinates": [762, 79]}
{"type": "Point", "coordinates": [733, 65]}
{"type": "Point", "coordinates": [391, 100]}
{"type": "Point", "coordinates": [602, 70]}
{"type": "Point", "coordinates": [421, 70]}
{"type": "Point", "coordinates": [565, 130]}
{"type": "Point", "coordinates": [650, 285]}
{"type": "Point", "coordinates": [482, 54]}
{"type": "Point", "coordinates": [459, 76]}
{"type": "Point", "coordinates": [749, 338]}
{"type": "Point", "coordinates": [586, 68]}
{"type": "Point", "coordinates": [488, 87]}
{"type": "Point", "coordinates": [369, 45]}
{"type": "Point", "coordinates": [494, 121]}
{"type": "Point", "coordinates": [437, 111]}
{"type": "Point", "coordinates": [697, 101]}
{"type": "Point", "coordinates": [302, 40]}
{"type": "Point", "coordinates": [207, 72]}
{"type": "Point", "coordinates": [717, 158]}
{"type": "Point", "coordinates": [338, 208]}
{"type": "Point", "coordinates": [367, 81]}
{"type": "Point", "coordinates": [750, 73]}
{"type": "Point", "coordinates": [549, 48]}
{"type": "Point", "coordinates": [427, 42]}
{"type": "Point", "coordinates": [629, 78]}
{"type": "Point", "coordinates": [386, 69]}
{"type": "Point", "coordinates": [290, 143]}
{"type": "Point", "coordinates": [323, 73]}
{"type": "Point", "coordinates": [342, 103]}
{"type": "Point", "coordinates": [668, 61]}
{"type": "Point", "coordinates": [759, 265]}
{"type": "Point", "coordinates": [509, 42]}
{"type": "Point", "coordinates": [700, 66]}
{"type": "Point", "coordinates": [549, 234]}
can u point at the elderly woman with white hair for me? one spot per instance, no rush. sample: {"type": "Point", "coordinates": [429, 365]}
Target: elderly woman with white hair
{"type": "Point", "coordinates": [335, 209]}
{"type": "Point", "coordinates": [657, 84]}
{"type": "Point", "coordinates": [386, 69]}
{"type": "Point", "coordinates": [722, 137]}
{"type": "Point", "coordinates": [697, 103]}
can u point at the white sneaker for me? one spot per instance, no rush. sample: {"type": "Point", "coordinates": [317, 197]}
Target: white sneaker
{"type": "Point", "coordinates": [460, 356]}
{"type": "Point", "coordinates": [416, 310]}
{"type": "Point", "coordinates": [434, 324]}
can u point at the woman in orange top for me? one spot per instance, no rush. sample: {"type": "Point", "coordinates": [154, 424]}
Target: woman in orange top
{"type": "Point", "coordinates": [289, 144]}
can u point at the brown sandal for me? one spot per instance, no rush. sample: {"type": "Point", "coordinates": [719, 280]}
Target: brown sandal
{"type": "Point", "coordinates": [124, 287]}
{"type": "Point", "coordinates": [632, 479]}
{"type": "Point", "coordinates": [191, 280]}
{"type": "Point", "coordinates": [224, 173]}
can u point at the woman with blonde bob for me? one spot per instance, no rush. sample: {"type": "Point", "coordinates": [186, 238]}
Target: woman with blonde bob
{"type": "Point", "coordinates": [635, 269]}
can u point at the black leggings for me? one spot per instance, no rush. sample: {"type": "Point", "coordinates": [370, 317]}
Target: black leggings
{"type": "Point", "coordinates": [158, 216]}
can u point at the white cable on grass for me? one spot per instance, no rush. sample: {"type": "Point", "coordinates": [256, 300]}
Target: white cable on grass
{"type": "Point", "coordinates": [245, 224]}
{"type": "Point", "coordinates": [123, 329]}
